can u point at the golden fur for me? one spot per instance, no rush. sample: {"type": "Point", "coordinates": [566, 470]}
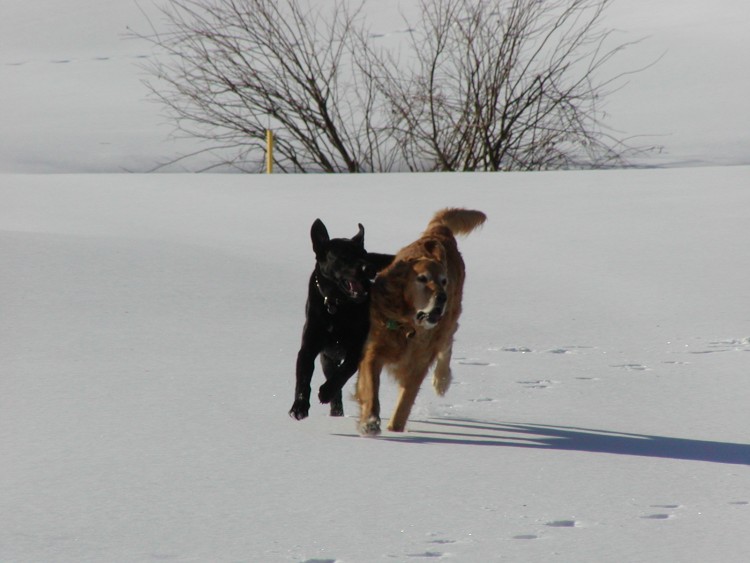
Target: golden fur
{"type": "Point", "coordinates": [414, 310]}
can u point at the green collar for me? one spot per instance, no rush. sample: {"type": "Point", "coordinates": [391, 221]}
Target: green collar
{"type": "Point", "coordinates": [392, 325]}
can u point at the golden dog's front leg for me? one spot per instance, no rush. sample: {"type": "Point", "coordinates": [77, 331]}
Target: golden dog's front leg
{"type": "Point", "coordinates": [410, 384]}
{"type": "Point", "coordinates": [368, 387]}
{"type": "Point", "coordinates": [442, 377]}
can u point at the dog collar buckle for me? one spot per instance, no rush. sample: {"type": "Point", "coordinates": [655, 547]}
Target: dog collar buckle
{"type": "Point", "coordinates": [392, 325]}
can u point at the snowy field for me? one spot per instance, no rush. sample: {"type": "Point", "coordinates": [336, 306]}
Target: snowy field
{"type": "Point", "coordinates": [150, 327]}
{"type": "Point", "coordinates": [150, 323]}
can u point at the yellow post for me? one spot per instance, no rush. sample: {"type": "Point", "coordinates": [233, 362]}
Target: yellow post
{"type": "Point", "coordinates": [269, 151]}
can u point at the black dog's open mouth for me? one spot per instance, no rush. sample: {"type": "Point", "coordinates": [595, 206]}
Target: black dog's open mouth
{"type": "Point", "coordinates": [354, 289]}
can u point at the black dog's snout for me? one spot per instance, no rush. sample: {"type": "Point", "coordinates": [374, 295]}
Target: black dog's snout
{"type": "Point", "coordinates": [441, 298]}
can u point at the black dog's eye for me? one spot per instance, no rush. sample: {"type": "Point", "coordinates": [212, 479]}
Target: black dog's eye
{"type": "Point", "coordinates": [421, 278]}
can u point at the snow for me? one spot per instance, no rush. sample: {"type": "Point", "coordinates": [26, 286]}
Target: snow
{"type": "Point", "coordinates": [72, 98]}
{"type": "Point", "coordinates": [150, 324]}
{"type": "Point", "coordinates": [599, 411]}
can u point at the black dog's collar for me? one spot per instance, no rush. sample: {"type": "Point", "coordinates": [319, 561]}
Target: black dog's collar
{"type": "Point", "coordinates": [329, 301]}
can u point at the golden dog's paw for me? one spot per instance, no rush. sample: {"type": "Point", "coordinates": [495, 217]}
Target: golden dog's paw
{"type": "Point", "coordinates": [370, 427]}
{"type": "Point", "coordinates": [397, 426]}
{"type": "Point", "coordinates": [441, 383]}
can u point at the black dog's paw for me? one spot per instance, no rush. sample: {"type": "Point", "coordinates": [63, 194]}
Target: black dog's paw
{"type": "Point", "coordinates": [328, 392]}
{"type": "Point", "coordinates": [300, 409]}
{"type": "Point", "coordinates": [337, 407]}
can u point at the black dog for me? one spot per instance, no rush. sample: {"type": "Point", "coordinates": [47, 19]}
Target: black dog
{"type": "Point", "coordinates": [337, 317]}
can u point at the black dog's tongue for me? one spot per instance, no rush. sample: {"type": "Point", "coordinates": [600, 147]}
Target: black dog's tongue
{"type": "Point", "coordinates": [354, 288]}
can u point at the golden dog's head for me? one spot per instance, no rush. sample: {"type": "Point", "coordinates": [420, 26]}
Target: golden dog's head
{"type": "Point", "coordinates": [415, 289]}
{"type": "Point", "coordinates": [427, 291]}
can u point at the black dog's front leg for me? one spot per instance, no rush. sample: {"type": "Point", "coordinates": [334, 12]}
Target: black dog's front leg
{"type": "Point", "coordinates": [336, 378]}
{"type": "Point", "coordinates": [305, 366]}
{"type": "Point", "coordinates": [330, 394]}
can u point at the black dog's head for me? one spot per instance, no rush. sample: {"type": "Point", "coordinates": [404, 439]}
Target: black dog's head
{"type": "Point", "coordinates": [342, 264]}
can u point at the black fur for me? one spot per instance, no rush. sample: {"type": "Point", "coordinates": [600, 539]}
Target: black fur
{"type": "Point", "coordinates": [337, 317]}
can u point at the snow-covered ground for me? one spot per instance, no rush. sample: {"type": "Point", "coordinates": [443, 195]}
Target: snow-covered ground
{"type": "Point", "coordinates": [149, 325]}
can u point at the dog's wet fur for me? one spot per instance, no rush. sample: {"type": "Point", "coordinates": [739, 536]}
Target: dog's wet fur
{"type": "Point", "coordinates": [337, 317]}
{"type": "Point", "coordinates": [414, 311]}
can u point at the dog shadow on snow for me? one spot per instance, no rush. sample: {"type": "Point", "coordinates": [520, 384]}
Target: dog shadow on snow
{"type": "Point", "coordinates": [468, 432]}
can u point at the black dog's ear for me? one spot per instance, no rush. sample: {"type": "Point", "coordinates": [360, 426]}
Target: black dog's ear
{"type": "Point", "coordinates": [359, 238]}
{"type": "Point", "coordinates": [319, 236]}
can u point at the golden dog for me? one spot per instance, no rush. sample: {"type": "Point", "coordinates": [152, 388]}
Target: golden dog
{"type": "Point", "coordinates": [414, 309]}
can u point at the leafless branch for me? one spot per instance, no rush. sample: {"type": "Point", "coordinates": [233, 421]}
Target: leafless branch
{"type": "Point", "coordinates": [484, 85]}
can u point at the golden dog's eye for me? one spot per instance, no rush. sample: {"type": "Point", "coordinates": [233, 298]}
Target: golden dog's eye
{"type": "Point", "coordinates": [444, 282]}
{"type": "Point", "coordinates": [421, 278]}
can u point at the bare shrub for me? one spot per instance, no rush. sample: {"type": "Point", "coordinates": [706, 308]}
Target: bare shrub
{"type": "Point", "coordinates": [229, 69]}
{"type": "Point", "coordinates": [480, 85]}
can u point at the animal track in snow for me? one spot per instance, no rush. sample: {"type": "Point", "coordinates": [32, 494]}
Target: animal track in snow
{"type": "Point", "coordinates": [381, 35]}
{"type": "Point", "coordinates": [661, 515]}
{"type": "Point", "coordinates": [436, 541]}
{"type": "Point", "coordinates": [63, 61]}
{"type": "Point", "coordinates": [631, 367]}
{"type": "Point", "coordinates": [568, 350]}
{"type": "Point", "coordinates": [732, 345]}
{"type": "Point", "coordinates": [471, 362]}
{"type": "Point", "coordinates": [517, 350]}
{"type": "Point", "coordinates": [562, 524]}
{"type": "Point", "coordinates": [550, 524]}
{"type": "Point", "coordinates": [537, 383]}
{"type": "Point", "coordinates": [559, 351]}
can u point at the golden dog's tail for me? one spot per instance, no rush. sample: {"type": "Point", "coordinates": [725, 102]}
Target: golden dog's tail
{"type": "Point", "coordinates": [459, 221]}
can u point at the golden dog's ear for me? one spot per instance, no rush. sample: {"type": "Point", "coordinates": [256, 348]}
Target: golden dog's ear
{"type": "Point", "coordinates": [389, 291]}
{"type": "Point", "coordinates": [394, 279]}
{"type": "Point", "coordinates": [435, 250]}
